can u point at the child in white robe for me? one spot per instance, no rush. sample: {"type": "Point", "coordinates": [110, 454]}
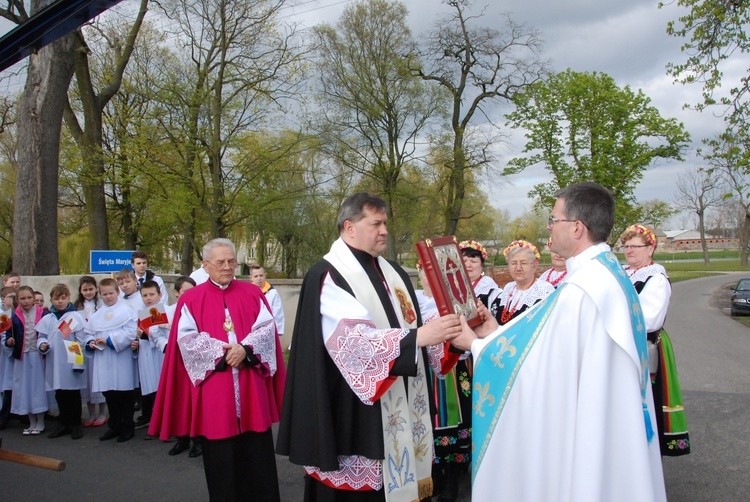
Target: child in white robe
{"type": "Point", "coordinates": [87, 303]}
{"type": "Point", "coordinates": [149, 345]}
{"type": "Point", "coordinates": [29, 395]}
{"type": "Point", "coordinates": [61, 335]}
{"type": "Point", "coordinates": [109, 334]}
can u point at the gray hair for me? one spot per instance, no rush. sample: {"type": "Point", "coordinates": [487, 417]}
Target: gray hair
{"type": "Point", "coordinates": [215, 243]}
{"type": "Point", "coordinates": [353, 208]}
{"type": "Point", "coordinates": [515, 251]}
{"type": "Point", "coordinates": [591, 204]}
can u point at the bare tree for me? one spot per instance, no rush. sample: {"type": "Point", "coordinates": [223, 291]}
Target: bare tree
{"type": "Point", "coordinates": [697, 191]}
{"type": "Point", "coordinates": [728, 157]}
{"type": "Point", "coordinates": [93, 101]}
{"type": "Point", "coordinates": [39, 123]}
{"type": "Point", "coordinates": [478, 66]}
{"type": "Point", "coordinates": [372, 109]}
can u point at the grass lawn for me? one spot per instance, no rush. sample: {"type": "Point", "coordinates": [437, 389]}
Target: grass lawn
{"type": "Point", "coordinates": [684, 270]}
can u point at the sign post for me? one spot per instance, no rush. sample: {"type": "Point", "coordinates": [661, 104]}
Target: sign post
{"type": "Point", "coordinates": [109, 261]}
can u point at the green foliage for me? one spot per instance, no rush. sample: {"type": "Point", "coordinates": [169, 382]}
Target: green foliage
{"type": "Point", "coordinates": [715, 31]}
{"type": "Point", "coordinates": [371, 108]}
{"type": "Point", "coordinates": [583, 127]}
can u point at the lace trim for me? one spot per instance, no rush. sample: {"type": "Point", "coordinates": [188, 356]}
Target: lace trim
{"type": "Point", "coordinates": [363, 354]}
{"type": "Point", "coordinates": [537, 292]}
{"type": "Point", "coordinates": [262, 339]}
{"type": "Point", "coordinates": [356, 471]}
{"type": "Point", "coordinates": [485, 286]}
{"type": "Point", "coordinates": [435, 353]}
{"type": "Point", "coordinates": [642, 274]}
{"type": "Point", "coordinates": [200, 353]}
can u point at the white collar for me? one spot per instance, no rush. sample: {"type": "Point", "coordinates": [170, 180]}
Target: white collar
{"type": "Point", "coordinates": [219, 285]}
{"type": "Point", "coordinates": [579, 260]}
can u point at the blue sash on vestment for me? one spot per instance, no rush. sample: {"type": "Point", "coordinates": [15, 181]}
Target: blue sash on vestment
{"type": "Point", "coordinates": [610, 261]}
{"type": "Point", "coordinates": [499, 362]}
{"type": "Point", "coordinates": [495, 372]}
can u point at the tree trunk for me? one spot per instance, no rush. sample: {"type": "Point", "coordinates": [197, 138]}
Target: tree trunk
{"type": "Point", "coordinates": [702, 230]}
{"type": "Point", "coordinates": [188, 247]}
{"type": "Point", "coordinates": [456, 185]}
{"type": "Point", "coordinates": [744, 235]}
{"type": "Point", "coordinates": [35, 250]}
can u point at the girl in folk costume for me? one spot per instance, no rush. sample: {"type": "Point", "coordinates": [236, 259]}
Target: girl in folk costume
{"type": "Point", "coordinates": [651, 282]}
{"type": "Point", "coordinates": [109, 334]}
{"type": "Point", "coordinates": [557, 273]}
{"type": "Point", "coordinates": [29, 394]}
{"type": "Point", "coordinates": [61, 335]}
{"type": "Point", "coordinates": [87, 303]}
{"type": "Point", "coordinates": [525, 291]}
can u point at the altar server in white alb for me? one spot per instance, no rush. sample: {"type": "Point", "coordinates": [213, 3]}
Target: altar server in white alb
{"type": "Point", "coordinates": [60, 340]}
{"type": "Point", "coordinates": [149, 344]}
{"type": "Point", "coordinates": [562, 400]}
{"type": "Point", "coordinates": [109, 333]}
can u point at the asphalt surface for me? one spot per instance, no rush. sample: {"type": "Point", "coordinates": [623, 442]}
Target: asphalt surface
{"type": "Point", "coordinates": [712, 354]}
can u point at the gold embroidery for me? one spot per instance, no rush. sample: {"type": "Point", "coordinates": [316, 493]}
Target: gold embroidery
{"type": "Point", "coordinates": [504, 346]}
{"type": "Point", "coordinates": [484, 395]}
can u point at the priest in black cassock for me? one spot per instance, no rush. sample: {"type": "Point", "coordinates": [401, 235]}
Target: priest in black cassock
{"type": "Point", "coordinates": [355, 410]}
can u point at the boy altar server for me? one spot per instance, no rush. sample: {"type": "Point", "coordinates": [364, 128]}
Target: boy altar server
{"type": "Point", "coordinates": [150, 342]}
{"type": "Point", "coordinates": [110, 332]}
{"type": "Point", "coordinates": [61, 336]}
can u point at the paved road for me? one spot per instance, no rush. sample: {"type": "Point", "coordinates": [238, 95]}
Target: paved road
{"type": "Point", "coordinates": [712, 353]}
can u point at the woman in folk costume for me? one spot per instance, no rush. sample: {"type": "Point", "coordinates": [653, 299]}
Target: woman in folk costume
{"type": "Point", "coordinates": [557, 273]}
{"type": "Point", "coordinates": [451, 391]}
{"type": "Point", "coordinates": [526, 290]}
{"type": "Point", "coordinates": [654, 290]}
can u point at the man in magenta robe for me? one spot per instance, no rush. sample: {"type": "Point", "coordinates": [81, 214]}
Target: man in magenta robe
{"type": "Point", "coordinates": [223, 380]}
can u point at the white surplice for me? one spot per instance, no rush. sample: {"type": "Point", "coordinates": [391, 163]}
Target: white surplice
{"type": "Point", "coordinates": [572, 428]}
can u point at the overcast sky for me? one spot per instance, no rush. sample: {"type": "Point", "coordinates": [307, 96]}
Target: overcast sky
{"type": "Point", "coordinates": [625, 39]}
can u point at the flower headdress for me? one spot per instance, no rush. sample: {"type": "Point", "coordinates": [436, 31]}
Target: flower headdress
{"type": "Point", "coordinates": [523, 245]}
{"type": "Point", "coordinates": [475, 246]}
{"type": "Point", "coordinates": [644, 231]}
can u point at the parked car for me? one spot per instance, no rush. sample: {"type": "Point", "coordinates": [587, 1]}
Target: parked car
{"type": "Point", "coordinates": [741, 297]}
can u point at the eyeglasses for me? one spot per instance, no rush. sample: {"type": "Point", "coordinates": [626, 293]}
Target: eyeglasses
{"type": "Point", "coordinates": [552, 220]}
{"type": "Point", "coordinates": [223, 264]}
{"type": "Point", "coordinates": [522, 264]}
{"type": "Point", "coordinates": [633, 246]}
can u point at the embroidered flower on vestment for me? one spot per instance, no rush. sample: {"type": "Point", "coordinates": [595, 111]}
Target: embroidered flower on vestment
{"type": "Point", "coordinates": [395, 422]}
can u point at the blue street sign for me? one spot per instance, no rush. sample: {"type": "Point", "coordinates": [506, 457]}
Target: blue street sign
{"type": "Point", "coordinates": [105, 261]}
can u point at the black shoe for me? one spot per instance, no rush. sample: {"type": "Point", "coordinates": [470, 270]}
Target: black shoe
{"type": "Point", "coordinates": [142, 422]}
{"type": "Point", "coordinates": [110, 434]}
{"type": "Point", "coordinates": [181, 445]}
{"type": "Point", "coordinates": [59, 432]}
{"type": "Point", "coordinates": [77, 432]}
{"type": "Point", "coordinates": [196, 450]}
{"type": "Point", "coordinates": [126, 436]}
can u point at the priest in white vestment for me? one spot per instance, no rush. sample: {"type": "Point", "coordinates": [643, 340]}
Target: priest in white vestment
{"type": "Point", "coordinates": [563, 409]}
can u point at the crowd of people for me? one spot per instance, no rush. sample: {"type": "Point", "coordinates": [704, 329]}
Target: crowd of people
{"type": "Point", "coordinates": [566, 391]}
